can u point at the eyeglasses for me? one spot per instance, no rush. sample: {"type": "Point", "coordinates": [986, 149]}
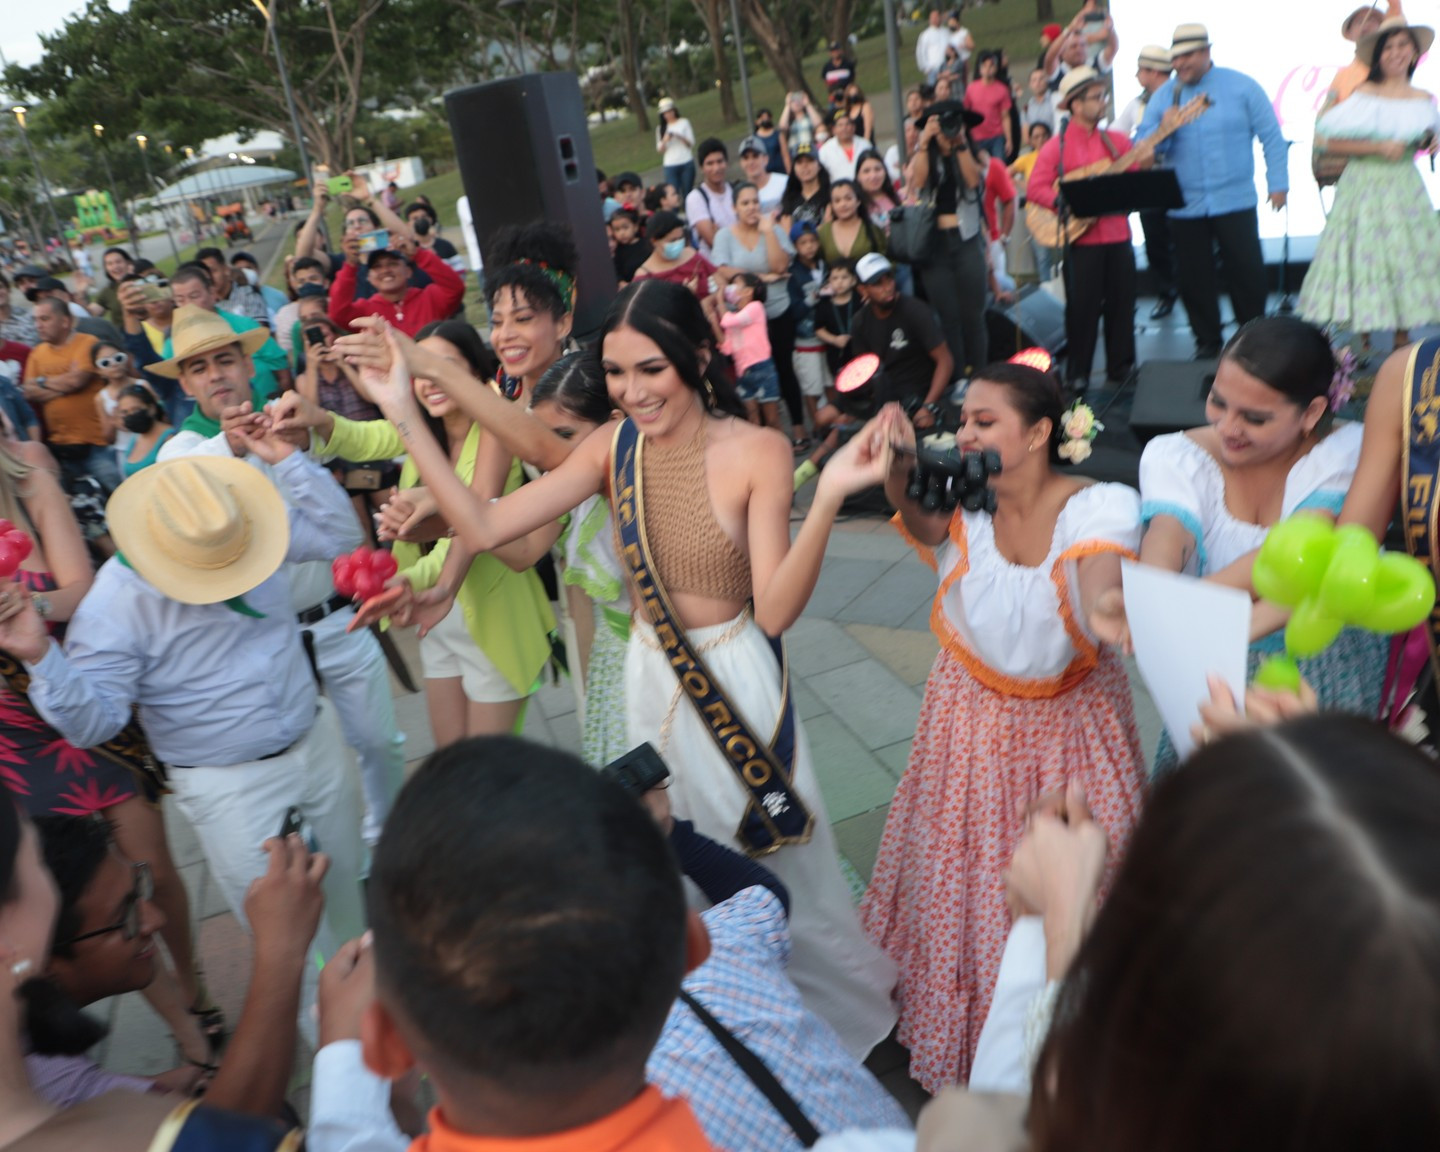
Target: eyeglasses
{"type": "Point", "coordinates": [129, 923]}
{"type": "Point", "coordinates": [119, 360]}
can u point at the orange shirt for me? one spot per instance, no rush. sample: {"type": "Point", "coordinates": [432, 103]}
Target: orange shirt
{"type": "Point", "coordinates": [1355, 73]}
{"type": "Point", "coordinates": [72, 418]}
{"type": "Point", "coordinates": [649, 1123]}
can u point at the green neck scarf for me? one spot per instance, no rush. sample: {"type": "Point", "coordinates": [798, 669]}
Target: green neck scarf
{"type": "Point", "coordinates": [235, 603]}
{"type": "Point", "coordinates": [197, 421]}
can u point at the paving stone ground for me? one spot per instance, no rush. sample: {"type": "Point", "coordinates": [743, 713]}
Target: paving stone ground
{"type": "Point", "coordinates": [859, 658]}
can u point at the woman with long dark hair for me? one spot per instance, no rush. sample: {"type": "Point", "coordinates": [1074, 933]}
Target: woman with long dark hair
{"type": "Point", "coordinates": [709, 496]}
{"type": "Point", "coordinates": [807, 192]}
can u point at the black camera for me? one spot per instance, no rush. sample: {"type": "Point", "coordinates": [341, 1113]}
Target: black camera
{"type": "Point", "coordinates": [944, 477]}
{"type": "Point", "coordinates": [952, 123]}
{"type": "Point", "coordinates": [638, 770]}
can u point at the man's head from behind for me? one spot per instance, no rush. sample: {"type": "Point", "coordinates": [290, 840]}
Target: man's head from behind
{"type": "Point", "coordinates": [530, 935]}
{"type": "Point", "coordinates": [53, 320]}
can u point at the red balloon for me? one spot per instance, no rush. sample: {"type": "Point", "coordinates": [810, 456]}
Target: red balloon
{"type": "Point", "coordinates": [368, 583]}
{"type": "Point", "coordinates": [6, 527]}
{"type": "Point", "coordinates": [342, 571]}
{"type": "Point", "coordinates": [383, 564]}
{"type": "Point", "coordinates": [21, 542]}
{"type": "Point", "coordinates": [9, 559]}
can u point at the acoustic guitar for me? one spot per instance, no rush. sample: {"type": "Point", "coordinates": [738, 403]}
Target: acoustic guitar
{"type": "Point", "coordinates": [1044, 223]}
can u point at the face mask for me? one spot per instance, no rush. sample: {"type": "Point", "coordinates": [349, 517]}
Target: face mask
{"type": "Point", "coordinates": [138, 421]}
{"type": "Point", "coordinates": [767, 123]}
{"type": "Point", "coordinates": [422, 226]}
{"type": "Point", "coordinates": [673, 248]}
{"type": "Point", "coordinates": [732, 295]}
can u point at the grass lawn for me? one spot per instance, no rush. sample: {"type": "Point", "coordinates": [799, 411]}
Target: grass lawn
{"type": "Point", "coordinates": [617, 145]}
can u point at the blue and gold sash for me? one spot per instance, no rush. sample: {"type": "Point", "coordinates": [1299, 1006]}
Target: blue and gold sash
{"type": "Point", "coordinates": [1420, 469]}
{"type": "Point", "coordinates": [775, 815]}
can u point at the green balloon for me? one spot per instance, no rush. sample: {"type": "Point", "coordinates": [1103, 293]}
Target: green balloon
{"type": "Point", "coordinates": [1311, 630]}
{"type": "Point", "coordinates": [1404, 595]}
{"type": "Point", "coordinates": [1293, 559]}
{"type": "Point", "coordinates": [1348, 587]}
{"type": "Point", "coordinates": [1281, 673]}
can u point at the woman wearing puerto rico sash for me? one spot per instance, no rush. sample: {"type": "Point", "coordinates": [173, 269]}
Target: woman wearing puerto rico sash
{"type": "Point", "coordinates": [701, 503]}
{"type": "Point", "coordinates": [1400, 461]}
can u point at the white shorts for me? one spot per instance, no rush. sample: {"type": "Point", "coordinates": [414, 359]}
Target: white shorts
{"type": "Point", "coordinates": [449, 651]}
{"type": "Point", "coordinates": [813, 372]}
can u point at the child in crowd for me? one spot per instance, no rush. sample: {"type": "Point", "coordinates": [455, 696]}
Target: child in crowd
{"type": "Point", "coordinates": [807, 276]}
{"type": "Point", "coordinates": [673, 257]}
{"type": "Point", "coordinates": [630, 191]}
{"type": "Point", "coordinates": [631, 248]}
{"type": "Point", "coordinates": [743, 336]}
{"type": "Point", "coordinates": [834, 308]}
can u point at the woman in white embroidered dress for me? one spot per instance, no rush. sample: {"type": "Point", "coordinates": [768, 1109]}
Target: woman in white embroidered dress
{"type": "Point", "coordinates": [1021, 700]}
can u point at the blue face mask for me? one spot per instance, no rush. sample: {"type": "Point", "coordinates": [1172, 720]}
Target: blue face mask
{"type": "Point", "coordinates": [673, 248]}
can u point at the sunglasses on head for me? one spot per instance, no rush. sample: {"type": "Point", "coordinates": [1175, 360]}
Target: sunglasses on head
{"type": "Point", "coordinates": [129, 923]}
{"type": "Point", "coordinates": [119, 360]}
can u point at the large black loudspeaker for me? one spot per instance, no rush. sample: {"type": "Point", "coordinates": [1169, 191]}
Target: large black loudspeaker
{"type": "Point", "coordinates": [524, 152]}
{"type": "Point", "coordinates": [1170, 396]}
{"type": "Point", "coordinates": [1035, 320]}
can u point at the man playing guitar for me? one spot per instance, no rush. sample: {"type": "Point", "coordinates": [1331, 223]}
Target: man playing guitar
{"type": "Point", "coordinates": [1100, 267]}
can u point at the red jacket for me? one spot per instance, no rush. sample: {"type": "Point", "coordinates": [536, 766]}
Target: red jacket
{"type": "Point", "coordinates": [438, 300]}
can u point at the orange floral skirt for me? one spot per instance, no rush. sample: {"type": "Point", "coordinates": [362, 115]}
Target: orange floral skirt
{"type": "Point", "coordinates": [936, 901]}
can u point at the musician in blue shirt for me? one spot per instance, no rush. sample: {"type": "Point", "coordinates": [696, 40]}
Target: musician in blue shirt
{"type": "Point", "coordinates": [1214, 158]}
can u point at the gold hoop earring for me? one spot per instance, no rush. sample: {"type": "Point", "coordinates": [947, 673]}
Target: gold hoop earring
{"type": "Point", "coordinates": [709, 393]}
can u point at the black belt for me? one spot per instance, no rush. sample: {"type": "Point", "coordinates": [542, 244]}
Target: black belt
{"type": "Point", "coordinates": [252, 760]}
{"type": "Point", "coordinates": [320, 611]}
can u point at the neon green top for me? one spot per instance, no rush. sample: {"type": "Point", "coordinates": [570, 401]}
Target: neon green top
{"type": "Point", "coordinates": [507, 612]}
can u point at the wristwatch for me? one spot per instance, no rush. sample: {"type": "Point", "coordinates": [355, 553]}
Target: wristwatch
{"type": "Point", "coordinates": [42, 605]}
{"type": "Point", "coordinates": [40, 382]}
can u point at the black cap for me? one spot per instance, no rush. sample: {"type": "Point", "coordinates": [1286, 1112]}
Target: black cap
{"type": "Point", "coordinates": [951, 108]}
{"type": "Point", "coordinates": [379, 253]}
{"type": "Point", "coordinates": [50, 284]}
{"type": "Point", "coordinates": [30, 272]}
{"type": "Point", "coordinates": [625, 178]}
{"type": "Point", "coordinates": [837, 45]}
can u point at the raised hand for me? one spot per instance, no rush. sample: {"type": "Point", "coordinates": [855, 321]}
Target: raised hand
{"type": "Point", "coordinates": [22, 632]}
{"type": "Point", "coordinates": [430, 607]}
{"type": "Point", "coordinates": [284, 905]}
{"type": "Point", "coordinates": [861, 464]}
{"type": "Point", "coordinates": [290, 411]}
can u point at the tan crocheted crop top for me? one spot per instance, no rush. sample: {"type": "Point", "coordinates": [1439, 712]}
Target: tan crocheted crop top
{"type": "Point", "coordinates": [691, 551]}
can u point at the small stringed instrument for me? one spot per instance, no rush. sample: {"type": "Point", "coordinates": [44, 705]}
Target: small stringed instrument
{"type": "Point", "coordinates": [1044, 224]}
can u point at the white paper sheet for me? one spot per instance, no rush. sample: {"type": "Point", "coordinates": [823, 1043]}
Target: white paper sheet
{"type": "Point", "coordinates": [1183, 630]}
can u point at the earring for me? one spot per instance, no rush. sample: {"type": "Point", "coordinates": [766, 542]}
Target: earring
{"type": "Point", "coordinates": [21, 969]}
{"type": "Point", "coordinates": [709, 393]}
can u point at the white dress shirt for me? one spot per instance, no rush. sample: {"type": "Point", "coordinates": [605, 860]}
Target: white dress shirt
{"type": "Point", "coordinates": [839, 165]}
{"type": "Point", "coordinates": [214, 686]}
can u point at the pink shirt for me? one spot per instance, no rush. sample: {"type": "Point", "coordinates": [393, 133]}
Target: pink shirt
{"type": "Point", "coordinates": [747, 340]}
{"type": "Point", "coordinates": [992, 100]}
{"type": "Point", "coordinates": [1082, 146]}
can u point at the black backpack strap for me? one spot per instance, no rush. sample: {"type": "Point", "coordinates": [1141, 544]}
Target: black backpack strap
{"type": "Point", "coordinates": [759, 1075]}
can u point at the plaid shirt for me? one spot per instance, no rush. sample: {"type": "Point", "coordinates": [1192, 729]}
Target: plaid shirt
{"type": "Point", "coordinates": [744, 986]}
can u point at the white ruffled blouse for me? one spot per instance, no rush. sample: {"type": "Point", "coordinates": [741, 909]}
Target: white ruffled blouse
{"type": "Point", "coordinates": [1179, 478]}
{"type": "Point", "coordinates": [1018, 629]}
{"type": "Point", "coordinates": [1365, 116]}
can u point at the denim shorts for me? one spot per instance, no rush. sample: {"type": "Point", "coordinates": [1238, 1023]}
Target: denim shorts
{"type": "Point", "coordinates": [760, 383]}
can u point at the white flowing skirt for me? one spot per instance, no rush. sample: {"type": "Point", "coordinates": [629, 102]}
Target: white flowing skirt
{"type": "Point", "coordinates": [844, 978]}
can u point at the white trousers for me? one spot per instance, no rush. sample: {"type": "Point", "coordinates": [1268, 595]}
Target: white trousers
{"type": "Point", "coordinates": [354, 676]}
{"type": "Point", "coordinates": [234, 809]}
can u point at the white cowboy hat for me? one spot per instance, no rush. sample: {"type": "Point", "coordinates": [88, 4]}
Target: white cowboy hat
{"type": "Point", "coordinates": [1156, 57]}
{"type": "Point", "coordinates": [1076, 81]}
{"type": "Point", "coordinates": [195, 331]}
{"type": "Point", "coordinates": [1188, 38]}
{"type": "Point", "coordinates": [200, 529]}
{"type": "Point", "coordinates": [1423, 37]}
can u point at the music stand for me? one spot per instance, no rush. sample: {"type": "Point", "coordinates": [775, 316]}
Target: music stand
{"type": "Point", "coordinates": [1124, 193]}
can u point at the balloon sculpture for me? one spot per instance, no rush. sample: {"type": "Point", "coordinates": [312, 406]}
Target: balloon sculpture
{"type": "Point", "coordinates": [15, 545]}
{"type": "Point", "coordinates": [1329, 578]}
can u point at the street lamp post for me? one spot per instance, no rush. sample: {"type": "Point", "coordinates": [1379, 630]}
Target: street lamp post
{"type": "Point", "coordinates": [285, 84]}
{"type": "Point", "coordinates": [20, 110]}
{"type": "Point", "coordinates": [744, 72]}
{"type": "Point", "coordinates": [892, 52]}
{"type": "Point", "coordinates": [143, 140]}
{"type": "Point", "coordinates": [125, 218]}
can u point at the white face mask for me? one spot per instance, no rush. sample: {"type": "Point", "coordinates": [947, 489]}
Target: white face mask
{"type": "Point", "coordinates": [251, 277]}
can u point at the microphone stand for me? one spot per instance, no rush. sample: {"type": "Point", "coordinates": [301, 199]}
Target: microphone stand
{"type": "Point", "coordinates": [1286, 305]}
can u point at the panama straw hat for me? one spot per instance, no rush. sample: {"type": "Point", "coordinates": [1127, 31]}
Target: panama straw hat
{"type": "Point", "coordinates": [200, 529]}
{"type": "Point", "coordinates": [1156, 57]}
{"type": "Point", "coordinates": [1423, 36]}
{"type": "Point", "coordinates": [1075, 82]}
{"type": "Point", "coordinates": [194, 331]}
{"type": "Point", "coordinates": [1188, 38]}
